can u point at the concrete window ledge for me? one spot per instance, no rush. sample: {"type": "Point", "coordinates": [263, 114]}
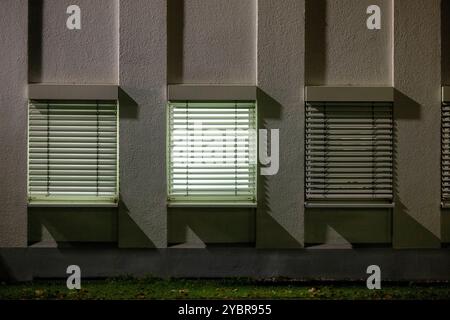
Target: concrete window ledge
{"type": "Point", "coordinates": [445, 205]}
{"type": "Point", "coordinates": [348, 205]}
{"type": "Point", "coordinates": [69, 204]}
{"type": "Point", "coordinates": [73, 91]}
{"type": "Point", "coordinates": [187, 204]}
{"type": "Point", "coordinates": [446, 94]}
{"type": "Point", "coordinates": [211, 92]}
{"type": "Point", "coordinates": [348, 94]}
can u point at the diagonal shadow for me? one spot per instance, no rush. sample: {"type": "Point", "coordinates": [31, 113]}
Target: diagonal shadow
{"type": "Point", "coordinates": [35, 15]}
{"type": "Point", "coordinates": [130, 234]}
{"type": "Point", "coordinates": [407, 232]}
{"type": "Point", "coordinates": [270, 233]}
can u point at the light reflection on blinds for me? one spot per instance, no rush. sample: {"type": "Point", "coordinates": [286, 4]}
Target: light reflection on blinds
{"type": "Point", "coordinates": [212, 151]}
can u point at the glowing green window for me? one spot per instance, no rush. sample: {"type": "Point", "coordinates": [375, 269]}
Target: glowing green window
{"type": "Point", "coordinates": [212, 153]}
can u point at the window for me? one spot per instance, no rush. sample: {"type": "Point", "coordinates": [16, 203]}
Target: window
{"type": "Point", "coordinates": [212, 153]}
{"type": "Point", "coordinates": [72, 152]}
{"type": "Point", "coordinates": [445, 155]}
{"type": "Point", "coordinates": [349, 153]}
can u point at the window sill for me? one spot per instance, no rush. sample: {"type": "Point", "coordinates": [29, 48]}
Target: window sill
{"type": "Point", "coordinates": [445, 205]}
{"type": "Point", "coordinates": [361, 205]}
{"type": "Point", "coordinates": [193, 204]}
{"type": "Point", "coordinates": [71, 204]}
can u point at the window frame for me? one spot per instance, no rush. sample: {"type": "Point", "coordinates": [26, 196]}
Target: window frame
{"type": "Point", "coordinates": [211, 201]}
{"type": "Point", "coordinates": [70, 200]}
{"type": "Point", "coordinates": [445, 200]}
{"type": "Point", "coordinates": [352, 94]}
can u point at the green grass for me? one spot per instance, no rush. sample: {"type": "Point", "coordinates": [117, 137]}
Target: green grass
{"type": "Point", "coordinates": [152, 288]}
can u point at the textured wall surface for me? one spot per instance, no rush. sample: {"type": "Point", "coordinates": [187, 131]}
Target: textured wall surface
{"type": "Point", "coordinates": [49, 226]}
{"type": "Point", "coordinates": [60, 55]}
{"type": "Point", "coordinates": [417, 79]}
{"type": "Point", "coordinates": [277, 45]}
{"type": "Point", "coordinates": [343, 227]}
{"type": "Point", "coordinates": [198, 227]}
{"type": "Point", "coordinates": [340, 48]}
{"type": "Point", "coordinates": [212, 41]}
{"type": "Point", "coordinates": [13, 121]}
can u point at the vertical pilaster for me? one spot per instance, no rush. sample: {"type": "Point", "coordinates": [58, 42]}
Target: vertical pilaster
{"type": "Point", "coordinates": [280, 77]}
{"type": "Point", "coordinates": [143, 80]}
{"type": "Point", "coordinates": [417, 79]}
{"type": "Point", "coordinates": [13, 123]}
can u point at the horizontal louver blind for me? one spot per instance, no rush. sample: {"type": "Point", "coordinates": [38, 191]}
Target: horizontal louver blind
{"type": "Point", "coordinates": [212, 151]}
{"type": "Point", "coordinates": [349, 151]}
{"type": "Point", "coordinates": [72, 150]}
{"type": "Point", "coordinates": [445, 154]}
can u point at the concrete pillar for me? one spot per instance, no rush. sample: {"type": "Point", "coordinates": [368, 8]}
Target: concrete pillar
{"type": "Point", "coordinates": [417, 79]}
{"type": "Point", "coordinates": [13, 123]}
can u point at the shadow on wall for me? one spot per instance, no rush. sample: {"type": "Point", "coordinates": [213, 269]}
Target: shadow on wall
{"type": "Point", "coordinates": [336, 227]}
{"type": "Point", "coordinates": [269, 232]}
{"type": "Point", "coordinates": [315, 41]}
{"type": "Point", "coordinates": [53, 225]}
{"type": "Point", "coordinates": [407, 231]}
{"type": "Point", "coordinates": [15, 265]}
{"type": "Point", "coordinates": [5, 270]}
{"type": "Point", "coordinates": [35, 15]}
{"type": "Point", "coordinates": [175, 25]}
{"type": "Point", "coordinates": [445, 226]}
{"type": "Point", "coordinates": [128, 107]}
{"type": "Point", "coordinates": [445, 44]}
{"type": "Point", "coordinates": [204, 227]}
{"type": "Point", "coordinates": [130, 233]}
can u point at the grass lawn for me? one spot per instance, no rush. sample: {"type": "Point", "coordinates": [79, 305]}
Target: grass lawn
{"type": "Point", "coordinates": [152, 288]}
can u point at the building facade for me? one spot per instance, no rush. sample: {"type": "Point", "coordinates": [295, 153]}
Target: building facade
{"type": "Point", "coordinates": [295, 60]}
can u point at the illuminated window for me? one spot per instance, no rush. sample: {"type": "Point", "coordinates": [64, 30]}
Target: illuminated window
{"type": "Point", "coordinates": [212, 153]}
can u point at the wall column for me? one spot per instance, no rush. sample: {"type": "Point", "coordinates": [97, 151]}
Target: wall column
{"type": "Point", "coordinates": [13, 123]}
{"type": "Point", "coordinates": [142, 78]}
{"type": "Point", "coordinates": [417, 79]}
{"type": "Point", "coordinates": [280, 77]}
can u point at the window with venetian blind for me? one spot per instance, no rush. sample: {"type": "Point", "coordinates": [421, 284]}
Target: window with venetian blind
{"type": "Point", "coordinates": [349, 153]}
{"type": "Point", "coordinates": [445, 155]}
{"type": "Point", "coordinates": [72, 152]}
{"type": "Point", "coordinates": [212, 153]}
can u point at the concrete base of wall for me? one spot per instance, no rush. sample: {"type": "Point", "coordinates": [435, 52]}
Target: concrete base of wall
{"type": "Point", "coordinates": [303, 264]}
